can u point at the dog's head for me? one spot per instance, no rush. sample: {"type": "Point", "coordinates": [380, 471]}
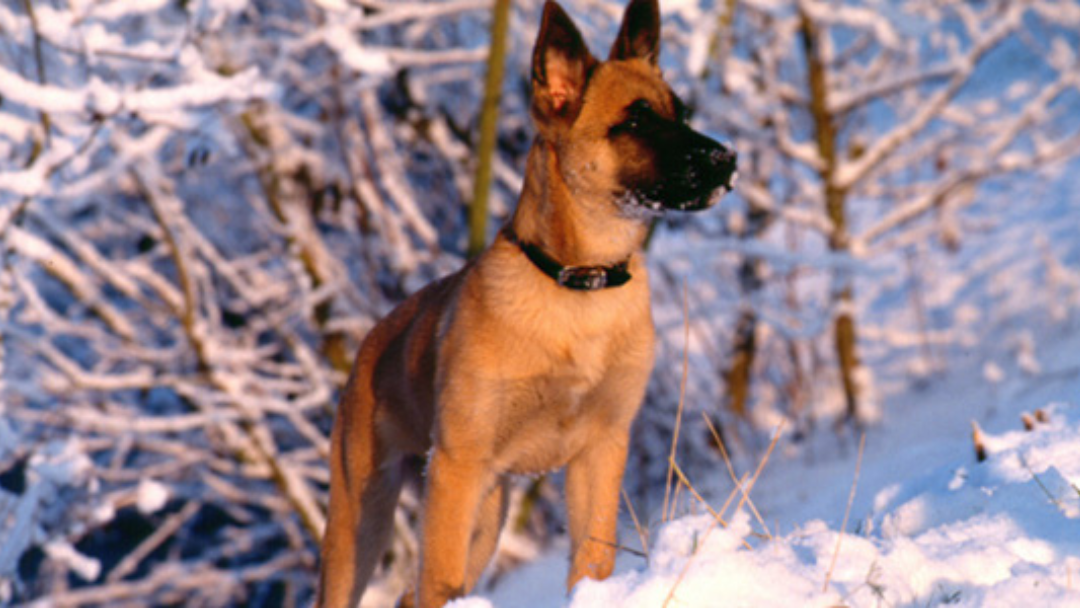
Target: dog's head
{"type": "Point", "coordinates": [618, 130]}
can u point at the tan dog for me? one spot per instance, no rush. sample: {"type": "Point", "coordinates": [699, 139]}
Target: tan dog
{"type": "Point", "coordinates": [535, 356]}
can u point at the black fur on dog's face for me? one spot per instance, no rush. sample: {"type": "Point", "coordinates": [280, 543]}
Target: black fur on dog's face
{"type": "Point", "coordinates": [668, 165]}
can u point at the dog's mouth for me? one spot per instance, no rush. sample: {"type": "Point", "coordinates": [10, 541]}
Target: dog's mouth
{"type": "Point", "coordinates": [708, 199]}
{"type": "Point", "coordinates": [655, 201]}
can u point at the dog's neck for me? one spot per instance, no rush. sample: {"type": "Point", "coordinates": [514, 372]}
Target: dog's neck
{"type": "Point", "coordinates": [573, 229]}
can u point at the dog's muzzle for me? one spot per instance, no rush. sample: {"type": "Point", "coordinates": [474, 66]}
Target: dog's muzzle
{"type": "Point", "coordinates": [711, 172]}
{"type": "Point", "coordinates": [694, 173]}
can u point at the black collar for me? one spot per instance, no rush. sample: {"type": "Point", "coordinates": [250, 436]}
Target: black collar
{"type": "Point", "coordinates": [579, 278]}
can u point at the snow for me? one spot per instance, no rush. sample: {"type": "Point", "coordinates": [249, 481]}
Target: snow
{"type": "Point", "coordinates": [207, 89]}
{"type": "Point", "coordinates": [85, 567]}
{"type": "Point", "coordinates": [42, 97]}
{"type": "Point", "coordinates": [999, 533]}
{"type": "Point", "coordinates": [151, 496]}
{"type": "Point", "coordinates": [360, 58]}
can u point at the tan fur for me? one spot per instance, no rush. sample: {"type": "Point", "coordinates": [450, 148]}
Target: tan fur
{"type": "Point", "coordinates": [497, 370]}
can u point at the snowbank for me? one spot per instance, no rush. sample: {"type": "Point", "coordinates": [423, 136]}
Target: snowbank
{"type": "Point", "coordinates": [1004, 532]}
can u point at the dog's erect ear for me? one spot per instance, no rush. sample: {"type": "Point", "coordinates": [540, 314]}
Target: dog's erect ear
{"type": "Point", "coordinates": [561, 64]}
{"type": "Point", "coordinates": [639, 36]}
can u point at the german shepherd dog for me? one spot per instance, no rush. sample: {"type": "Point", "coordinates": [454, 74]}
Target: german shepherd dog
{"type": "Point", "coordinates": [535, 355]}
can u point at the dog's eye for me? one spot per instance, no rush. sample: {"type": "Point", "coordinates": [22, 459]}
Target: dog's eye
{"type": "Point", "coordinates": [682, 113]}
{"type": "Point", "coordinates": [640, 107]}
{"type": "Point", "coordinates": [636, 114]}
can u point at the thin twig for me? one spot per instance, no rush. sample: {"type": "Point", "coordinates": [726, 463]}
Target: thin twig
{"type": "Point", "coordinates": [641, 532]}
{"type": "Point", "coordinates": [761, 465]}
{"type": "Point", "coordinates": [489, 117]}
{"type": "Point", "coordinates": [731, 473]}
{"type": "Point", "coordinates": [686, 566]}
{"type": "Point", "coordinates": [665, 515]}
{"type": "Point", "coordinates": [847, 512]}
{"type": "Point", "coordinates": [705, 503]}
{"type": "Point", "coordinates": [132, 560]}
{"type": "Point", "coordinates": [713, 512]}
{"type": "Point", "coordinates": [39, 60]}
{"type": "Point", "coordinates": [620, 547]}
{"type": "Point", "coordinates": [250, 439]}
{"type": "Point", "coordinates": [1054, 499]}
{"type": "Point", "coordinates": [736, 491]}
{"type": "Point", "coordinates": [180, 577]}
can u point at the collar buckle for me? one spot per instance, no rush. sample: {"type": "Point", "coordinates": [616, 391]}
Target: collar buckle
{"type": "Point", "coordinates": [585, 278]}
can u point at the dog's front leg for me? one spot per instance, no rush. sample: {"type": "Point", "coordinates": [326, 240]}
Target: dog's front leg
{"type": "Point", "coordinates": [593, 480]}
{"type": "Point", "coordinates": [457, 482]}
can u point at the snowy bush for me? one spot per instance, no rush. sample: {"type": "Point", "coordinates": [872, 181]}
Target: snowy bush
{"type": "Point", "coordinates": [204, 206]}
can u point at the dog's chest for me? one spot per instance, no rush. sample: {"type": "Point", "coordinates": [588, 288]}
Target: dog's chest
{"type": "Point", "coordinates": [565, 369]}
{"type": "Point", "coordinates": [550, 417]}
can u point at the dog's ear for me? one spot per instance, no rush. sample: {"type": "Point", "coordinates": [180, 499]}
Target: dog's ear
{"type": "Point", "coordinates": [639, 36]}
{"type": "Point", "coordinates": [561, 65]}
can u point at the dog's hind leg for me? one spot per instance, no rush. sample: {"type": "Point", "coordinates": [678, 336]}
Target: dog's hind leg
{"type": "Point", "coordinates": [365, 481]}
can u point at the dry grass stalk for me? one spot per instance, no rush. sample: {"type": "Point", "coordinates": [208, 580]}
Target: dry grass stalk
{"type": "Point", "coordinates": [847, 512]}
{"type": "Point", "coordinates": [761, 466]}
{"type": "Point", "coordinates": [742, 484]}
{"type": "Point", "coordinates": [716, 516]}
{"type": "Point", "coordinates": [665, 514]}
{"type": "Point", "coordinates": [1050, 495]}
{"type": "Point", "coordinates": [642, 533]}
{"type": "Point", "coordinates": [731, 472]}
{"type": "Point", "coordinates": [979, 440]}
{"type": "Point", "coordinates": [689, 486]}
{"type": "Point", "coordinates": [620, 547]}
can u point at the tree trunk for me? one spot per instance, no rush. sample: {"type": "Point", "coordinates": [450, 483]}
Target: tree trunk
{"type": "Point", "coordinates": [742, 360]}
{"type": "Point", "coordinates": [739, 375]}
{"type": "Point", "coordinates": [489, 118]}
{"type": "Point", "coordinates": [843, 295]}
{"type": "Point", "coordinates": [844, 331]}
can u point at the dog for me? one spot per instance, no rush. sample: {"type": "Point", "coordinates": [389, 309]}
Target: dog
{"type": "Point", "coordinates": [534, 356]}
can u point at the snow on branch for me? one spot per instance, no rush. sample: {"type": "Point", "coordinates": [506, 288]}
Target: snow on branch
{"type": "Point", "coordinates": [99, 97]}
{"type": "Point", "coordinates": [984, 40]}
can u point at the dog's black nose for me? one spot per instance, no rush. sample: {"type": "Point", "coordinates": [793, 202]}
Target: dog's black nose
{"type": "Point", "coordinates": [721, 156]}
{"type": "Point", "coordinates": [722, 165]}
{"type": "Point", "coordinates": [712, 155]}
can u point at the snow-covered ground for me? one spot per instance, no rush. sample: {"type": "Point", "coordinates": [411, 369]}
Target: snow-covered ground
{"type": "Point", "coordinates": [928, 524]}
